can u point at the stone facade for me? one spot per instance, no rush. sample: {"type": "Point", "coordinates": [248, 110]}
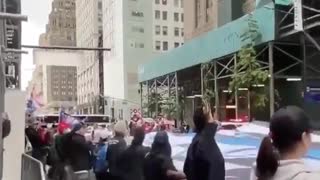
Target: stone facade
{"type": "Point", "coordinates": [61, 28]}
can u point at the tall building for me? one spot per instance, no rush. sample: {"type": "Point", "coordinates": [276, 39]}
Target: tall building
{"type": "Point", "coordinates": [205, 15]}
{"type": "Point", "coordinates": [128, 31]}
{"type": "Point", "coordinates": [55, 78]}
{"type": "Point", "coordinates": [135, 31]}
{"type": "Point", "coordinates": [89, 32]}
{"type": "Point", "coordinates": [61, 28]}
{"type": "Point", "coordinates": [168, 24]}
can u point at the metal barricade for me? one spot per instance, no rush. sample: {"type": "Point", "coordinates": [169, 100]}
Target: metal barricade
{"type": "Point", "coordinates": [85, 175]}
{"type": "Point", "coordinates": [32, 169]}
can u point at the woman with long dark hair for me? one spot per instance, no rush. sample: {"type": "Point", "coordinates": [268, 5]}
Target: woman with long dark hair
{"type": "Point", "coordinates": [158, 163]}
{"type": "Point", "coordinates": [280, 154]}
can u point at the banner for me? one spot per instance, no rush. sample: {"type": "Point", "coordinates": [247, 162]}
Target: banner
{"type": "Point", "coordinates": [298, 18]}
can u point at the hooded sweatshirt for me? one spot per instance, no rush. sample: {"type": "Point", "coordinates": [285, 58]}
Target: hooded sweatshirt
{"type": "Point", "coordinates": [291, 170]}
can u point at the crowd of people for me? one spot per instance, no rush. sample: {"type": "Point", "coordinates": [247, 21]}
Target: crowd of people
{"type": "Point", "coordinates": [110, 157]}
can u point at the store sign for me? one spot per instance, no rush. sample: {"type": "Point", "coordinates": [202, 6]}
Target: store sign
{"type": "Point", "coordinates": [298, 20]}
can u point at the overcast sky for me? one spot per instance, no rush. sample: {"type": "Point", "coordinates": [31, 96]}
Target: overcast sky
{"type": "Point", "coordinates": [37, 12]}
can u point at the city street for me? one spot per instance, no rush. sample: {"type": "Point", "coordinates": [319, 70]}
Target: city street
{"type": "Point", "coordinates": [239, 148]}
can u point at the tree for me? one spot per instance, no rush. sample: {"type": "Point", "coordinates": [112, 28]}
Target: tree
{"type": "Point", "coordinates": [248, 71]}
{"type": "Point", "coordinates": [208, 94]}
{"type": "Point", "coordinates": [172, 108]}
{"type": "Point", "coordinates": [154, 100]}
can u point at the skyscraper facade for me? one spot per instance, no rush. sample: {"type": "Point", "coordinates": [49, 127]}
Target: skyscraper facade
{"type": "Point", "coordinates": [89, 32]}
{"type": "Point", "coordinates": [205, 15]}
{"type": "Point", "coordinates": [168, 24]}
{"type": "Point", "coordinates": [61, 28]}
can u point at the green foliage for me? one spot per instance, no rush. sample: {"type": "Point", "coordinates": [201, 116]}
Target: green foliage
{"type": "Point", "coordinates": [170, 107]}
{"type": "Point", "coordinates": [208, 85]}
{"type": "Point", "coordinates": [153, 99]}
{"type": "Point", "coordinates": [249, 72]}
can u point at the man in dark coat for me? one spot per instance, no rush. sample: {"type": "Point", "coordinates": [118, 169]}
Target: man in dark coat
{"type": "Point", "coordinates": [116, 146]}
{"type": "Point", "coordinates": [204, 159]}
{"type": "Point", "coordinates": [131, 160]}
{"type": "Point", "coordinates": [76, 150]}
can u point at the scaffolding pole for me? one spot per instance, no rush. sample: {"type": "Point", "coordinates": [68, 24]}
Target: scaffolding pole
{"type": "Point", "coordinates": [304, 66]}
{"type": "Point", "coordinates": [236, 91]}
{"type": "Point", "coordinates": [216, 90]}
{"type": "Point", "coordinates": [271, 81]}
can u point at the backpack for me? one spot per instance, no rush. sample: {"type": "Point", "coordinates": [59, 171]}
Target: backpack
{"type": "Point", "coordinates": [101, 164]}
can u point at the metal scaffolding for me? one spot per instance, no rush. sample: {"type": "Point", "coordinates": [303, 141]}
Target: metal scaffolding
{"type": "Point", "coordinates": [290, 56]}
{"type": "Point", "coordinates": [166, 86]}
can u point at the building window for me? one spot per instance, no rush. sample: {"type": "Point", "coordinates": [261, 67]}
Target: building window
{"type": "Point", "coordinates": [165, 30]}
{"type": "Point", "coordinates": [157, 30]}
{"type": "Point", "coordinates": [176, 17]}
{"type": "Point", "coordinates": [176, 31]}
{"type": "Point", "coordinates": [182, 32]}
{"type": "Point", "coordinates": [181, 3]}
{"type": "Point", "coordinates": [164, 15]}
{"type": "Point", "coordinates": [197, 11]}
{"type": "Point", "coordinates": [164, 2]}
{"type": "Point", "coordinates": [176, 44]}
{"type": "Point", "coordinates": [137, 29]}
{"type": "Point", "coordinates": [157, 1]}
{"type": "Point", "coordinates": [165, 45]}
{"type": "Point", "coordinates": [137, 14]}
{"type": "Point", "coordinates": [208, 6]}
{"type": "Point", "coordinates": [176, 3]}
{"type": "Point", "coordinates": [182, 17]}
{"type": "Point", "coordinates": [158, 45]}
{"type": "Point", "coordinates": [157, 14]}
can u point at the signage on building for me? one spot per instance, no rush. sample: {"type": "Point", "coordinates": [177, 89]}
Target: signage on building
{"type": "Point", "coordinates": [298, 17]}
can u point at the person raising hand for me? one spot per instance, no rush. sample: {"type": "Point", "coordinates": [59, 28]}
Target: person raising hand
{"type": "Point", "coordinates": [204, 159]}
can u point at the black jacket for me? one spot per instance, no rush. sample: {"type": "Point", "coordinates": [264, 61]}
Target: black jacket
{"type": "Point", "coordinates": [204, 159]}
{"type": "Point", "coordinates": [77, 151]}
{"type": "Point", "coordinates": [156, 167]}
{"type": "Point", "coordinates": [116, 146]}
{"type": "Point", "coordinates": [131, 162]}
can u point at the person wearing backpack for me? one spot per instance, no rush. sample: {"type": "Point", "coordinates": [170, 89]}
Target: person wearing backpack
{"type": "Point", "coordinates": [101, 164]}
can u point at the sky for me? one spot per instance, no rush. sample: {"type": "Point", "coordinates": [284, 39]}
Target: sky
{"type": "Point", "coordinates": [37, 12]}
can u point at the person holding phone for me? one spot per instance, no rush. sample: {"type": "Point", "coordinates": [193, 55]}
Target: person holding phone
{"type": "Point", "coordinates": [204, 159]}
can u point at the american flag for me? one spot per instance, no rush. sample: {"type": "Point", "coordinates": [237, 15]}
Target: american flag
{"type": "Point", "coordinates": [68, 119]}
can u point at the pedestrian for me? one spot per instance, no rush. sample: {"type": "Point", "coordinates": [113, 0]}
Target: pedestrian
{"type": "Point", "coordinates": [281, 153]}
{"type": "Point", "coordinates": [38, 147]}
{"type": "Point", "coordinates": [158, 164]}
{"type": "Point", "coordinates": [131, 160]}
{"type": "Point", "coordinates": [204, 159]}
{"type": "Point", "coordinates": [101, 164]}
{"type": "Point", "coordinates": [77, 151]}
{"type": "Point", "coordinates": [116, 146]}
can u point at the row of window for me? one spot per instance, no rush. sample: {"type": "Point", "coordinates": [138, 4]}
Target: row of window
{"type": "Point", "coordinates": [63, 93]}
{"type": "Point", "coordinates": [177, 31]}
{"type": "Point", "coordinates": [62, 87]}
{"type": "Point", "coordinates": [176, 16]}
{"type": "Point", "coordinates": [165, 45]}
{"type": "Point", "coordinates": [177, 3]}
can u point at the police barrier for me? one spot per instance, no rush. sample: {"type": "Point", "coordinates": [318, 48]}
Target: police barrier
{"type": "Point", "coordinates": [32, 169]}
{"type": "Point", "coordinates": [84, 175]}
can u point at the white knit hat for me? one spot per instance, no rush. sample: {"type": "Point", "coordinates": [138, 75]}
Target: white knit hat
{"type": "Point", "coordinates": [121, 127]}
